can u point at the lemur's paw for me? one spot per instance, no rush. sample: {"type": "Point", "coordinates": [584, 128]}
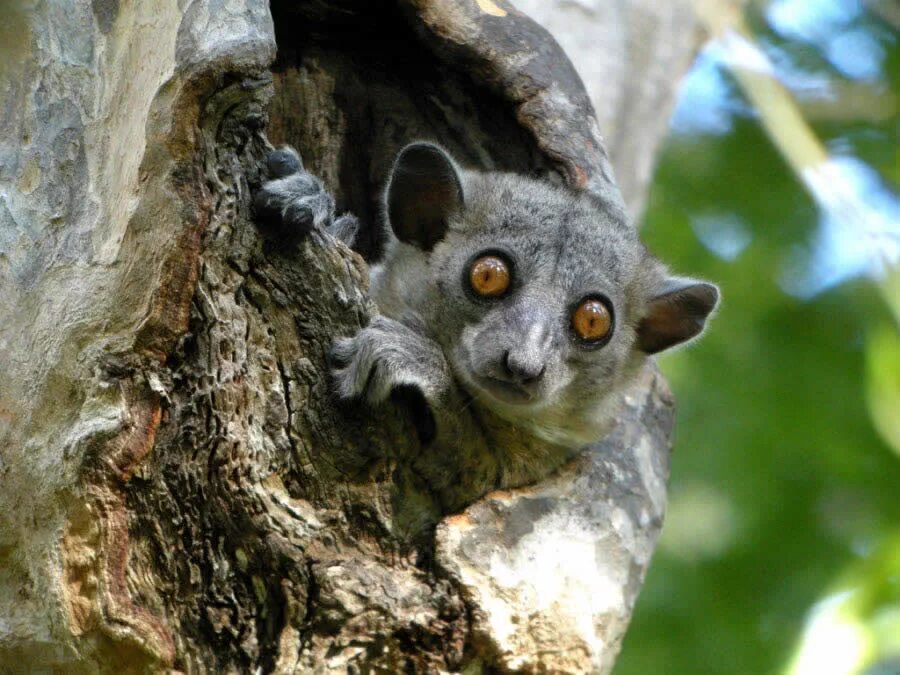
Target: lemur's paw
{"type": "Point", "coordinates": [374, 362]}
{"type": "Point", "coordinates": [361, 365]}
{"type": "Point", "coordinates": [293, 201]}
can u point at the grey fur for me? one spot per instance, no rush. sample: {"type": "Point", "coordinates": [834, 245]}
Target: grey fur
{"type": "Point", "coordinates": [512, 392]}
{"type": "Point", "coordinates": [294, 201]}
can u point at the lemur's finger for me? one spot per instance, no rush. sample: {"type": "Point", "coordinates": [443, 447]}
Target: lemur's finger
{"type": "Point", "coordinates": [283, 162]}
{"type": "Point", "coordinates": [267, 209]}
{"type": "Point", "coordinates": [321, 207]}
{"type": "Point", "coordinates": [297, 217]}
{"type": "Point", "coordinates": [345, 228]}
{"type": "Point", "coordinates": [340, 354]}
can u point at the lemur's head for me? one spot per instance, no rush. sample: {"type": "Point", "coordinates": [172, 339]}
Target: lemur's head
{"type": "Point", "coordinates": [543, 298]}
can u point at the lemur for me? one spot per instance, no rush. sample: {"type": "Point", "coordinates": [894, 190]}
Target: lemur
{"type": "Point", "coordinates": [515, 312]}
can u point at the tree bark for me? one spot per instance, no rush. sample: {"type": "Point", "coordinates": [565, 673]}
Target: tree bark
{"type": "Point", "coordinates": [178, 487]}
{"type": "Point", "coordinates": [631, 55]}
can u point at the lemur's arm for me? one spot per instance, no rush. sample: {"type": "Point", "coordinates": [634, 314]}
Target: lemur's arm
{"type": "Point", "coordinates": [386, 358]}
{"type": "Point", "coordinates": [294, 201]}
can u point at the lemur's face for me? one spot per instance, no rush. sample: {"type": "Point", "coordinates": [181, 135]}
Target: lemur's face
{"type": "Point", "coordinates": [542, 298]}
{"type": "Point", "coordinates": [533, 297]}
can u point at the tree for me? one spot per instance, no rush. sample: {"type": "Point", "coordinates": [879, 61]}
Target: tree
{"type": "Point", "coordinates": [179, 488]}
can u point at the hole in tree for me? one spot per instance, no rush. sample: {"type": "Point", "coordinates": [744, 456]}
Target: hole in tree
{"type": "Point", "coordinates": [354, 82]}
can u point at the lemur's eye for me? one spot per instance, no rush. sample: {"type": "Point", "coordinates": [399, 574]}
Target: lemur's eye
{"type": "Point", "coordinates": [592, 320]}
{"type": "Point", "coordinates": [489, 276]}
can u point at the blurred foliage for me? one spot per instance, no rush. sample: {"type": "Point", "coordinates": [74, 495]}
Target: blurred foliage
{"type": "Point", "coordinates": [781, 550]}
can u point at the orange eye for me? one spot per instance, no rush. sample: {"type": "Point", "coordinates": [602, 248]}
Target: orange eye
{"type": "Point", "coordinates": [489, 276]}
{"type": "Point", "coordinates": [592, 320]}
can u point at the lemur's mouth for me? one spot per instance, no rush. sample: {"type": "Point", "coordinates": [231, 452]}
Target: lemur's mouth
{"type": "Point", "coordinates": [505, 391]}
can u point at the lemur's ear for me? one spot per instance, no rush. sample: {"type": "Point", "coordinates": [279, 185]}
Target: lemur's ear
{"type": "Point", "coordinates": [676, 313]}
{"type": "Point", "coordinates": [423, 193]}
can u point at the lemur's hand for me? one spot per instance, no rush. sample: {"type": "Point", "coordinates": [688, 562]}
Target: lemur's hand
{"type": "Point", "coordinates": [387, 355]}
{"type": "Point", "coordinates": [389, 359]}
{"type": "Point", "coordinates": [292, 202]}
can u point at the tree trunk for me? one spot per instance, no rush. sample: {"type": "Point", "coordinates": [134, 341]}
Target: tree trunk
{"type": "Point", "coordinates": [178, 487]}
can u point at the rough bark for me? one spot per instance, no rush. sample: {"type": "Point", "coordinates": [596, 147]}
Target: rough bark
{"type": "Point", "coordinates": [178, 488]}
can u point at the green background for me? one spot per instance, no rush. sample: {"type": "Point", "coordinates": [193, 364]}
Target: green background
{"type": "Point", "coordinates": [784, 495]}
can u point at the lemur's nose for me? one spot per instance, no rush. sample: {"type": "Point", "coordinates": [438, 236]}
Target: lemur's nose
{"type": "Point", "coordinates": [521, 369]}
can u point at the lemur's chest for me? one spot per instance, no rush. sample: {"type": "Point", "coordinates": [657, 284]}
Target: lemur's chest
{"type": "Point", "coordinates": [523, 456]}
